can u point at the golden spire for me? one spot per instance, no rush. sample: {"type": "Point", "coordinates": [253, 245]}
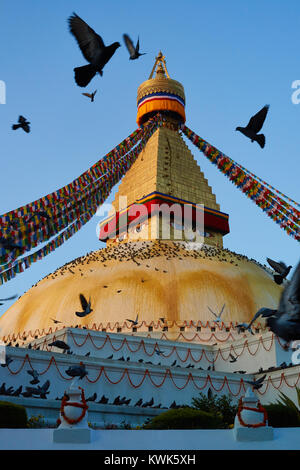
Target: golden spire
{"type": "Point", "coordinates": [160, 62]}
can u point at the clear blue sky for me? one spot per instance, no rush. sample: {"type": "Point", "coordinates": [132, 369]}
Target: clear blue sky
{"type": "Point", "coordinates": [232, 57]}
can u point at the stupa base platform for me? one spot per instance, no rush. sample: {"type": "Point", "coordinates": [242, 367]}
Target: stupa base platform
{"type": "Point", "coordinates": [73, 435]}
{"type": "Point", "coordinates": [265, 433]}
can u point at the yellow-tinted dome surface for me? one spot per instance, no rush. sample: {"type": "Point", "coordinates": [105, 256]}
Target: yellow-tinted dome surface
{"type": "Point", "coordinates": [152, 279]}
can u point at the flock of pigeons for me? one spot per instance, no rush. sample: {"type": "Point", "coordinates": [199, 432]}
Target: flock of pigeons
{"type": "Point", "coordinates": [285, 320]}
{"type": "Point", "coordinates": [97, 54]}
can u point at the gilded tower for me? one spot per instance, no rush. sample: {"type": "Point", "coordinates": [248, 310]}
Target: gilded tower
{"type": "Point", "coordinates": [165, 194]}
{"type": "Point", "coordinates": [149, 270]}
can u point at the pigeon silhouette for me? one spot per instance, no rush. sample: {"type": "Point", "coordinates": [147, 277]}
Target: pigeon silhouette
{"type": "Point", "coordinates": [92, 48]}
{"type": "Point", "coordinates": [281, 269]}
{"type": "Point", "coordinates": [9, 298]}
{"type": "Point", "coordinates": [232, 358]}
{"type": "Point", "coordinates": [256, 384]}
{"type": "Point", "coordinates": [254, 126]}
{"type": "Point", "coordinates": [35, 376]}
{"type": "Point", "coordinates": [285, 320]}
{"type": "Point", "coordinates": [90, 95]}
{"type": "Point", "coordinates": [134, 322]}
{"type": "Point", "coordinates": [23, 124]}
{"type": "Point", "coordinates": [218, 317]}
{"type": "Point", "coordinates": [133, 51]}
{"type": "Point", "coordinates": [86, 306]}
{"type": "Point", "coordinates": [60, 344]}
{"type": "Point", "coordinates": [246, 326]}
{"type": "Point", "coordinates": [77, 371]}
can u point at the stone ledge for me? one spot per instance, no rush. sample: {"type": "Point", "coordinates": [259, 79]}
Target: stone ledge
{"type": "Point", "coordinates": [265, 433]}
{"type": "Point", "coordinates": [74, 436]}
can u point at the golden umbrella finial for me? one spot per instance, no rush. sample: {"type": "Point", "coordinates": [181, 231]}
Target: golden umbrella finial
{"type": "Point", "coordinates": [160, 63]}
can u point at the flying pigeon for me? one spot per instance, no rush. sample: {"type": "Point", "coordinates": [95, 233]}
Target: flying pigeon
{"type": "Point", "coordinates": [92, 48]}
{"type": "Point", "coordinates": [256, 384]}
{"type": "Point", "coordinates": [134, 322]}
{"type": "Point", "coordinates": [35, 375]}
{"type": "Point", "coordinates": [23, 123]}
{"type": "Point", "coordinates": [218, 317]}
{"type": "Point", "coordinates": [245, 326]}
{"type": "Point", "coordinates": [60, 344]}
{"type": "Point", "coordinates": [86, 306]}
{"type": "Point", "coordinates": [133, 51]}
{"type": "Point", "coordinates": [9, 298]}
{"type": "Point", "coordinates": [285, 320]}
{"type": "Point", "coordinates": [77, 371]}
{"type": "Point", "coordinates": [55, 321]}
{"type": "Point", "coordinates": [281, 269]}
{"type": "Point", "coordinates": [158, 351]}
{"type": "Point", "coordinates": [41, 391]}
{"type": "Point", "coordinates": [254, 126]}
{"type": "Point", "coordinates": [90, 95]}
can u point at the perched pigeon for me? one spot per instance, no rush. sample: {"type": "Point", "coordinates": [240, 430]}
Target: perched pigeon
{"type": "Point", "coordinates": [103, 400]}
{"type": "Point", "coordinates": [117, 400]}
{"type": "Point", "coordinates": [90, 95]}
{"type": "Point", "coordinates": [148, 403]}
{"type": "Point", "coordinates": [133, 51]}
{"type": "Point", "coordinates": [17, 392]}
{"type": "Point", "coordinates": [285, 320]}
{"type": "Point", "coordinates": [254, 126]}
{"type": "Point", "coordinates": [23, 123]}
{"type": "Point", "coordinates": [86, 306]}
{"type": "Point", "coordinates": [134, 322]}
{"type": "Point", "coordinates": [281, 269]}
{"type": "Point", "coordinates": [218, 317]}
{"type": "Point", "coordinates": [256, 384]}
{"type": "Point", "coordinates": [232, 358]}
{"type": "Point", "coordinates": [77, 371]}
{"type": "Point", "coordinates": [92, 48]}
{"type": "Point", "coordinates": [92, 397]}
{"type": "Point", "coordinates": [60, 344]}
{"type": "Point", "coordinates": [139, 402]}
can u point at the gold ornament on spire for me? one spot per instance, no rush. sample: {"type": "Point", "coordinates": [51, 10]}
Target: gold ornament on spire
{"type": "Point", "coordinates": [160, 94]}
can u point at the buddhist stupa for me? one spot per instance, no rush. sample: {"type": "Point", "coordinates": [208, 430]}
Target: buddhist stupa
{"type": "Point", "coordinates": [164, 263]}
